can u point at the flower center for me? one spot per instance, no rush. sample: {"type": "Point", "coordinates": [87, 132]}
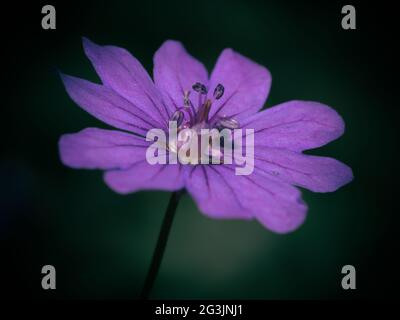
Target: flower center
{"type": "Point", "coordinates": [191, 121]}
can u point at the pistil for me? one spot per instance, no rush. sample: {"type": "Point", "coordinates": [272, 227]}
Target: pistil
{"type": "Point", "coordinates": [199, 120]}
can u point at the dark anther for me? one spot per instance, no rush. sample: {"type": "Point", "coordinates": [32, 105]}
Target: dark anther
{"type": "Point", "coordinates": [219, 91]}
{"type": "Point", "coordinates": [200, 88]}
{"type": "Point", "coordinates": [178, 117]}
{"type": "Point", "coordinates": [228, 123]}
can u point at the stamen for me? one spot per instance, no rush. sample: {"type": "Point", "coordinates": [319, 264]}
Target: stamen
{"type": "Point", "coordinates": [178, 117]}
{"type": "Point", "coordinates": [219, 91]}
{"type": "Point", "coordinates": [200, 88]}
{"type": "Point", "coordinates": [203, 112]}
{"type": "Point", "coordinates": [228, 123]}
{"type": "Point", "coordinates": [188, 105]}
{"type": "Point", "coordinates": [186, 100]}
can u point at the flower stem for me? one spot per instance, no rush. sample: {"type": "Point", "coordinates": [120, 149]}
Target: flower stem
{"type": "Point", "coordinates": [161, 244]}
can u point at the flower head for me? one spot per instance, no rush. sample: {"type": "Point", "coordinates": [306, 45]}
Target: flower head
{"type": "Point", "coordinates": [230, 98]}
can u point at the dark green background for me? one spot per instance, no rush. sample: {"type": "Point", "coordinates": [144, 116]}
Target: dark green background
{"type": "Point", "coordinates": [101, 242]}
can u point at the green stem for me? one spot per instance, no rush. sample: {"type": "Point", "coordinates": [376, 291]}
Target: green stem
{"type": "Point", "coordinates": [161, 244]}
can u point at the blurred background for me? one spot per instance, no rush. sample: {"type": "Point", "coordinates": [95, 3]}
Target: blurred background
{"type": "Point", "coordinates": [101, 243]}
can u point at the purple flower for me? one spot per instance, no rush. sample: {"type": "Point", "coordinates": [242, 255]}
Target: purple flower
{"type": "Point", "coordinates": [231, 97]}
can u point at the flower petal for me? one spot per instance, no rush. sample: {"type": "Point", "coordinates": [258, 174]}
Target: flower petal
{"type": "Point", "coordinates": [246, 85]}
{"type": "Point", "coordinates": [175, 71]}
{"type": "Point", "coordinates": [318, 174]}
{"type": "Point", "coordinates": [214, 194]}
{"type": "Point", "coordinates": [94, 148]}
{"type": "Point", "coordinates": [143, 176]}
{"type": "Point", "coordinates": [106, 105]}
{"type": "Point", "coordinates": [296, 125]}
{"type": "Point", "coordinates": [220, 193]}
{"type": "Point", "coordinates": [119, 70]}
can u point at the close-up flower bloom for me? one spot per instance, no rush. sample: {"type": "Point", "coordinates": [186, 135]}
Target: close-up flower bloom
{"type": "Point", "coordinates": [231, 97]}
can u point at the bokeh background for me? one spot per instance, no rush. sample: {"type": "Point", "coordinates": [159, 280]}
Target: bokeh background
{"type": "Point", "coordinates": [101, 243]}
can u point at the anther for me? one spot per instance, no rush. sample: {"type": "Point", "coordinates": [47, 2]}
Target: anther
{"type": "Point", "coordinates": [178, 117]}
{"type": "Point", "coordinates": [219, 91]}
{"type": "Point", "coordinates": [228, 123]}
{"type": "Point", "coordinates": [200, 88]}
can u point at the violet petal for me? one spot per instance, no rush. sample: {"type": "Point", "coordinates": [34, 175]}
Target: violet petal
{"type": "Point", "coordinates": [175, 71]}
{"type": "Point", "coordinates": [220, 193]}
{"type": "Point", "coordinates": [94, 148]}
{"type": "Point", "coordinates": [295, 125]}
{"type": "Point", "coordinates": [122, 72]}
{"type": "Point", "coordinates": [143, 176]}
{"type": "Point", "coordinates": [246, 85]}
{"type": "Point", "coordinates": [106, 105]}
{"type": "Point", "coordinates": [318, 174]}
